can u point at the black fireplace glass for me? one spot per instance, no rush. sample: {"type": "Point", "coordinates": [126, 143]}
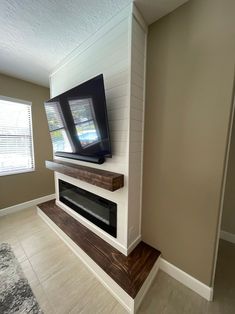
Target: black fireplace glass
{"type": "Point", "coordinates": [98, 210]}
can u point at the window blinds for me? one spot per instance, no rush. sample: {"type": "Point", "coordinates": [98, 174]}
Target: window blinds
{"type": "Point", "coordinates": [16, 141]}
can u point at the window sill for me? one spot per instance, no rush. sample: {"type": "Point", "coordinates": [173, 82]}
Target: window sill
{"type": "Point", "coordinates": [3, 174]}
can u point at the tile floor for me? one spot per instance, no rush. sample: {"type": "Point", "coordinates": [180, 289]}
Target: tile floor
{"type": "Point", "coordinates": [62, 284]}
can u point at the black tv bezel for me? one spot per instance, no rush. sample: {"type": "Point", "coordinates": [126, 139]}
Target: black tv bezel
{"type": "Point", "coordinates": [92, 158]}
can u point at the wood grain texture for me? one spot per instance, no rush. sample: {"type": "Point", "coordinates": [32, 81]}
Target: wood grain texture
{"type": "Point", "coordinates": [102, 178]}
{"type": "Point", "coordinates": [129, 272]}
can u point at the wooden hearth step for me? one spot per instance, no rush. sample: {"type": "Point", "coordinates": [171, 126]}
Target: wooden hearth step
{"type": "Point", "coordinates": [102, 178]}
{"type": "Point", "coordinates": [129, 272]}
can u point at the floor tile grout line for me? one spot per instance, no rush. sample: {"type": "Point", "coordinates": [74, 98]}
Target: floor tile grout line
{"type": "Point", "coordinates": [28, 259]}
{"type": "Point", "coordinates": [38, 279]}
{"type": "Point", "coordinates": [41, 286]}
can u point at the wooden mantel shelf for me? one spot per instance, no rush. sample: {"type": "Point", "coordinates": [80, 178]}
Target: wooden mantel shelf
{"type": "Point", "coordinates": [102, 178]}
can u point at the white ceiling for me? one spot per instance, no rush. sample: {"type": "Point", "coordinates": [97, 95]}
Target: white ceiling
{"type": "Point", "coordinates": [152, 10]}
{"type": "Point", "coordinates": [36, 35]}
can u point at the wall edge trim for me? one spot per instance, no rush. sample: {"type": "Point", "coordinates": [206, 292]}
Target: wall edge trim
{"type": "Point", "coordinates": [192, 283]}
{"type": "Point", "coordinates": [15, 208]}
{"type": "Point", "coordinates": [136, 13]}
{"type": "Point", "coordinates": [133, 244]}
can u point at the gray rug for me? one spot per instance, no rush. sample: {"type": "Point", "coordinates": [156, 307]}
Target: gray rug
{"type": "Point", "coordinates": [16, 296]}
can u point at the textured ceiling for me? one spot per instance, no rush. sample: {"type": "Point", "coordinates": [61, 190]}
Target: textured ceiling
{"type": "Point", "coordinates": [35, 35]}
{"type": "Point", "coordinates": [153, 10]}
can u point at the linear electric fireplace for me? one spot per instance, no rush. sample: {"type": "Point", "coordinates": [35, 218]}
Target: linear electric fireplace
{"type": "Point", "coordinates": [96, 209]}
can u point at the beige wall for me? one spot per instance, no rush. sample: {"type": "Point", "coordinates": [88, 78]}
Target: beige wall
{"type": "Point", "coordinates": [228, 221]}
{"type": "Point", "coordinates": [190, 66]}
{"type": "Point", "coordinates": [15, 189]}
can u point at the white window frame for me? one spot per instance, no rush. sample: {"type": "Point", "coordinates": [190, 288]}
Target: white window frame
{"type": "Point", "coordinates": [22, 102]}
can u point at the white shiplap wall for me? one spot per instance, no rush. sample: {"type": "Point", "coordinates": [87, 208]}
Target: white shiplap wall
{"type": "Point", "coordinates": [110, 52]}
{"type": "Point", "coordinates": [107, 54]}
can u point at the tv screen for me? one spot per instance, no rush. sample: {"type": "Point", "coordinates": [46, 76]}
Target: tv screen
{"type": "Point", "coordinates": [78, 122]}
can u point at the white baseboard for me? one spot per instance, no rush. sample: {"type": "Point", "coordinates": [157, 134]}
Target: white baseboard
{"type": "Point", "coordinates": [21, 206]}
{"type": "Point", "coordinates": [187, 280]}
{"type": "Point", "coordinates": [130, 304]}
{"type": "Point", "coordinates": [227, 236]}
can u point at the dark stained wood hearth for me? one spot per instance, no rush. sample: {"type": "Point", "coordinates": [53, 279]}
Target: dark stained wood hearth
{"type": "Point", "coordinates": [104, 179]}
{"type": "Point", "coordinates": [129, 272]}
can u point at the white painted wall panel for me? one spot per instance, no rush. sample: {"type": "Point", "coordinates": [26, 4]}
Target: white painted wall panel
{"type": "Point", "coordinates": [108, 54]}
{"type": "Point", "coordinates": [138, 48]}
{"type": "Point", "coordinates": [117, 51]}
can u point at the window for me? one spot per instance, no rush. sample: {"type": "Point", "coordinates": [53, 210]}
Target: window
{"type": "Point", "coordinates": [16, 139]}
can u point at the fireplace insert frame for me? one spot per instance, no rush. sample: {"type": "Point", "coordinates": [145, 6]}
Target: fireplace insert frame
{"type": "Point", "coordinates": [110, 227]}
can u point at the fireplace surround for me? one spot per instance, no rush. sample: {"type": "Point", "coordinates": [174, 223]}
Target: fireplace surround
{"type": "Point", "coordinates": [122, 54]}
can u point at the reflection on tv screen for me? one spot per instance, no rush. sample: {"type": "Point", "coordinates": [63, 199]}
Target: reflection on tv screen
{"type": "Point", "coordinates": [84, 120]}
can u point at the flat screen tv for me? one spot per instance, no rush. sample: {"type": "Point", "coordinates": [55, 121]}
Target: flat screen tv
{"type": "Point", "coordinates": [78, 122]}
